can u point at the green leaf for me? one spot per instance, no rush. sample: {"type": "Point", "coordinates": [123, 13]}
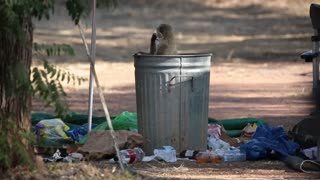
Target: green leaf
{"type": "Point", "coordinates": [68, 78]}
{"type": "Point", "coordinates": [63, 76]}
{"type": "Point", "coordinates": [54, 49]}
{"type": "Point", "coordinates": [59, 74]}
{"type": "Point", "coordinates": [46, 83]}
{"type": "Point", "coordinates": [53, 72]}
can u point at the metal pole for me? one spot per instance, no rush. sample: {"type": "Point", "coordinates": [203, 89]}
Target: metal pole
{"type": "Point", "coordinates": [93, 57]}
{"type": "Point", "coordinates": [315, 63]}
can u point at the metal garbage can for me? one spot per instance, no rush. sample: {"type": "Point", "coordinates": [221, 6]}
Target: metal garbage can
{"type": "Point", "coordinates": [172, 93]}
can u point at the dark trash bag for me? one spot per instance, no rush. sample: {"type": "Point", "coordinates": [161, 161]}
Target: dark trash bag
{"type": "Point", "coordinates": [299, 164]}
{"type": "Point", "coordinates": [306, 132]}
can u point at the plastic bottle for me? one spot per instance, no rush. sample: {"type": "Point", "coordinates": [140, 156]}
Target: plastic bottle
{"type": "Point", "coordinates": [131, 155]}
{"type": "Point", "coordinates": [191, 154]}
{"type": "Point", "coordinates": [208, 157]}
{"type": "Point", "coordinates": [234, 154]}
{"type": "Point", "coordinates": [215, 144]}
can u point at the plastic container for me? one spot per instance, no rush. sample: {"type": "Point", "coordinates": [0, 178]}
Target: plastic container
{"type": "Point", "coordinates": [131, 155]}
{"type": "Point", "coordinates": [234, 154]}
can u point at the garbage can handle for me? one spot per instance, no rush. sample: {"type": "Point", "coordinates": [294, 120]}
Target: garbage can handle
{"type": "Point", "coordinates": [171, 84]}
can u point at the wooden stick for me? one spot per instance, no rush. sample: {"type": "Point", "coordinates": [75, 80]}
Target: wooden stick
{"type": "Point", "coordinates": [103, 101]}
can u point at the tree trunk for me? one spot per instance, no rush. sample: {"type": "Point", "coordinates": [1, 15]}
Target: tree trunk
{"type": "Point", "coordinates": [15, 96]}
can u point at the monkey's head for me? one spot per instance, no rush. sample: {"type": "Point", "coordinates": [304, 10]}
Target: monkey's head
{"type": "Point", "coordinates": [164, 31]}
{"type": "Point", "coordinates": [163, 41]}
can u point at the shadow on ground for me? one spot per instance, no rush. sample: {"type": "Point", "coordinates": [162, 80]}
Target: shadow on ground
{"type": "Point", "coordinates": [225, 101]}
{"type": "Point", "coordinates": [246, 31]}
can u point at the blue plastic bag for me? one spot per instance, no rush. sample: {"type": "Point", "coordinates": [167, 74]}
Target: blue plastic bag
{"type": "Point", "coordinates": [76, 133]}
{"type": "Point", "coordinates": [269, 139]}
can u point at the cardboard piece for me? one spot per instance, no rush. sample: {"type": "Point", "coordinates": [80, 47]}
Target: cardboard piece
{"type": "Point", "coordinates": [100, 143]}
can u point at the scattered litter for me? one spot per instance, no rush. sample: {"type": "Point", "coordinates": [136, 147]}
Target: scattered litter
{"type": "Point", "coordinates": [188, 154]}
{"type": "Point", "coordinates": [234, 127]}
{"type": "Point", "coordinates": [214, 130]}
{"type": "Point", "coordinates": [149, 158]}
{"type": "Point", "coordinates": [306, 132]}
{"type": "Point", "coordinates": [269, 141]}
{"type": "Point", "coordinates": [124, 121]}
{"type": "Point", "coordinates": [73, 157]}
{"type": "Point", "coordinates": [299, 164]}
{"type": "Point", "coordinates": [55, 157]}
{"type": "Point", "coordinates": [249, 130]}
{"type": "Point", "coordinates": [234, 154]}
{"type": "Point", "coordinates": [208, 157]}
{"type": "Point", "coordinates": [77, 133]}
{"type": "Point", "coordinates": [232, 141]}
{"type": "Point", "coordinates": [130, 156]}
{"type": "Point", "coordinates": [167, 154]}
{"type": "Point", "coordinates": [100, 144]}
{"type": "Point", "coordinates": [215, 144]}
{"type": "Point", "coordinates": [311, 153]}
{"type": "Point", "coordinates": [167, 148]}
{"type": "Point", "coordinates": [220, 145]}
{"type": "Point", "coordinates": [51, 129]}
{"type": "Point", "coordinates": [58, 157]}
{"type": "Point", "coordinates": [184, 159]}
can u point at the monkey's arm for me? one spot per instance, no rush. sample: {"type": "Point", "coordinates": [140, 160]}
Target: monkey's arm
{"type": "Point", "coordinates": [153, 44]}
{"type": "Point", "coordinates": [163, 49]}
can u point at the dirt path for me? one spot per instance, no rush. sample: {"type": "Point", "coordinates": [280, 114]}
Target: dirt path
{"type": "Point", "coordinates": [277, 92]}
{"type": "Point", "coordinates": [255, 72]}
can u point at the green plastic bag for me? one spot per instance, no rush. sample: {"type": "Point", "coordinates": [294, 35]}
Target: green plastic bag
{"type": "Point", "coordinates": [80, 119]}
{"type": "Point", "coordinates": [74, 119]}
{"type": "Point", "coordinates": [124, 121]}
{"type": "Point", "coordinates": [234, 126]}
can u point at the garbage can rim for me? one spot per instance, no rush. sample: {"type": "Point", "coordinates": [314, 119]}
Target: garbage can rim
{"type": "Point", "coordinates": [142, 54]}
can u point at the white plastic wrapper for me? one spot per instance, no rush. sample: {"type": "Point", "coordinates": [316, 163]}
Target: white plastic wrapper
{"type": "Point", "coordinates": [166, 154]}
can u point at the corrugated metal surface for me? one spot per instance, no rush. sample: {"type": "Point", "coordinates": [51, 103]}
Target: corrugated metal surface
{"type": "Point", "coordinates": [172, 100]}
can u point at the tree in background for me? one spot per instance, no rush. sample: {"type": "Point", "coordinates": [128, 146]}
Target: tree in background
{"type": "Point", "coordinates": [16, 88]}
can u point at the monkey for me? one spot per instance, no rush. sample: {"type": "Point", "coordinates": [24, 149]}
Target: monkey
{"type": "Point", "coordinates": [163, 41]}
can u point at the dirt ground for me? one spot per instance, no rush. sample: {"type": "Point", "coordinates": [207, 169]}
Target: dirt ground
{"type": "Point", "coordinates": [256, 70]}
